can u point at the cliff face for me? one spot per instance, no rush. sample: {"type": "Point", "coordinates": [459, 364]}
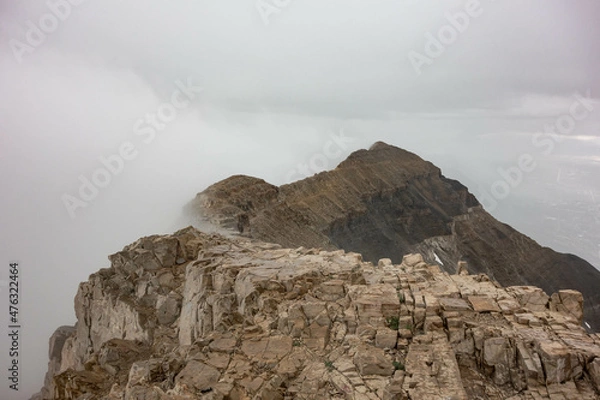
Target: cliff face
{"type": "Point", "coordinates": [197, 316]}
{"type": "Point", "coordinates": [387, 202]}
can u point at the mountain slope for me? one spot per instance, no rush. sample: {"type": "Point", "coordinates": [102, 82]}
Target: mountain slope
{"type": "Point", "coordinates": [387, 202]}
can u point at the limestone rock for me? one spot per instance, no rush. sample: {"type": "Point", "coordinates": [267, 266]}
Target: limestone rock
{"type": "Point", "coordinates": [570, 302]}
{"type": "Point", "coordinates": [57, 343]}
{"type": "Point", "coordinates": [198, 316]}
{"type": "Point", "coordinates": [560, 363]}
{"type": "Point", "coordinates": [197, 377]}
{"type": "Point", "coordinates": [594, 369]}
{"type": "Point", "coordinates": [372, 361]}
{"type": "Point", "coordinates": [531, 298]}
{"type": "Point", "coordinates": [462, 268]}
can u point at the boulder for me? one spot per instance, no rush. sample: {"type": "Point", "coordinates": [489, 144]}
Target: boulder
{"type": "Point", "coordinates": [198, 377]}
{"type": "Point", "coordinates": [569, 302]}
{"type": "Point", "coordinates": [373, 361]}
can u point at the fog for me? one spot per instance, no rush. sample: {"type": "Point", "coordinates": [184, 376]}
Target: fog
{"type": "Point", "coordinates": [150, 102]}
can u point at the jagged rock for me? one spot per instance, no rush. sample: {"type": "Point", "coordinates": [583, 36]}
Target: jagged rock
{"type": "Point", "coordinates": [412, 259]}
{"type": "Point", "coordinates": [434, 372]}
{"type": "Point", "coordinates": [462, 268]}
{"type": "Point", "coordinates": [594, 370]}
{"type": "Point", "coordinates": [243, 319]}
{"type": "Point", "coordinates": [570, 302]}
{"type": "Point", "coordinates": [483, 304]}
{"type": "Point", "coordinates": [386, 202]}
{"type": "Point", "coordinates": [386, 338]}
{"type": "Point", "coordinates": [197, 378]}
{"type": "Point", "coordinates": [561, 364]}
{"type": "Point", "coordinates": [168, 308]}
{"type": "Point", "coordinates": [117, 356]}
{"type": "Point", "coordinates": [56, 345]}
{"type": "Point", "coordinates": [498, 353]}
{"type": "Point", "coordinates": [531, 297]}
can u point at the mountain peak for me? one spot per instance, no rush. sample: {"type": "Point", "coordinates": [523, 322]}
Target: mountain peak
{"type": "Point", "coordinates": [382, 155]}
{"type": "Point", "coordinates": [380, 146]}
{"type": "Point", "coordinates": [386, 202]}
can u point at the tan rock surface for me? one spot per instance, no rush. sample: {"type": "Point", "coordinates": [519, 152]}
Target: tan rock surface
{"type": "Point", "coordinates": [197, 316]}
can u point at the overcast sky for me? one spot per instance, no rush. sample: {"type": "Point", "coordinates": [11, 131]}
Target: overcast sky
{"type": "Point", "coordinates": [190, 92]}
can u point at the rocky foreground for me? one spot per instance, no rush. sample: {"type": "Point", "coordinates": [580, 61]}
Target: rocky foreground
{"type": "Point", "coordinates": [197, 316]}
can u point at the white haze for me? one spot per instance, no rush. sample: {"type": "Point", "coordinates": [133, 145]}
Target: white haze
{"type": "Point", "coordinates": [272, 98]}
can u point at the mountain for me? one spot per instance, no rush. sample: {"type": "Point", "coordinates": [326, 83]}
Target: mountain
{"type": "Point", "coordinates": [387, 202]}
{"type": "Point", "coordinates": [203, 316]}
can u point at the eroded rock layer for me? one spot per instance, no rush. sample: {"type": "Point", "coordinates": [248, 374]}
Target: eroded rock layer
{"type": "Point", "coordinates": [387, 202]}
{"type": "Point", "coordinates": [198, 316]}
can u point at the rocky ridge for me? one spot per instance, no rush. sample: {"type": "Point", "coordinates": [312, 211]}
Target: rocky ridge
{"type": "Point", "coordinates": [201, 316]}
{"type": "Point", "coordinates": [388, 202]}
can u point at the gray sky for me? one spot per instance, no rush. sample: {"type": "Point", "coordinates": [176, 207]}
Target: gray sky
{"type": "Point", "coordinates": [468, 85]}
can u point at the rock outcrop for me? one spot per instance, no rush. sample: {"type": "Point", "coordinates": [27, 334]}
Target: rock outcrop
{"type": "Point", "coordinates": [199, 316]}
{"type": "Point", "coordinates": [387, 202]}
{"type": "Point", "coordinates": [56, 345]}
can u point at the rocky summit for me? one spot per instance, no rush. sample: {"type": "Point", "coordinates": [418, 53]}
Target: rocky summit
{"type": "Point", "coordinates": [386, 202]}
{"type": "Point", "coordinates": [204, 316]}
